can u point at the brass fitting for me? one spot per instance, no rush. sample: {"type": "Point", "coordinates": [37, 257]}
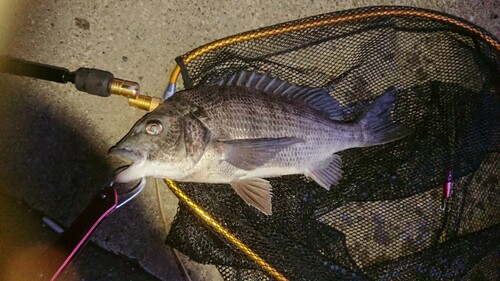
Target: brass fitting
{"type": "Point", "coordinates": [128, 89]}
{"type": "Point", "coordinates": [144, 102]}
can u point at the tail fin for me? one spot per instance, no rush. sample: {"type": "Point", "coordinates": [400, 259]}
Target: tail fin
{"type": "Point", "coordinates": [377, 125]}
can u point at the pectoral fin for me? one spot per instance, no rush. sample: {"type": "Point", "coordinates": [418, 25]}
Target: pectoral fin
{"type": "Point", "coordinates": [255, 192]}
{"type": "Point", "coordinates": [329, 174]}
{"type": "Point", "coordinates": [248, 154]}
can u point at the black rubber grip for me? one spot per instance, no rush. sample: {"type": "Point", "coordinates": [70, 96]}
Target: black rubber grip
{"type": "Point", "coordinates": [93, 81]}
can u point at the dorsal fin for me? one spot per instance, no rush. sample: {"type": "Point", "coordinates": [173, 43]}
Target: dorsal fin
{"type": "Point", "coordinates": [317, 98]}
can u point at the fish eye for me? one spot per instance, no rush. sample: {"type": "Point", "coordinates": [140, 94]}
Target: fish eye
{"type": "Point", "coordinates": [154, 127]}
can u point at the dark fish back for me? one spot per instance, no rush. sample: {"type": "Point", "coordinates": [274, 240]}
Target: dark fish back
{"type": "Point", "coordinates": [236, 113]}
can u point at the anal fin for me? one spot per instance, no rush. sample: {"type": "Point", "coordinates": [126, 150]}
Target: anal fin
{"type": "Point", "coordinates": [328, 172]}
{"type": "Point", "coordinates": [256, 192]}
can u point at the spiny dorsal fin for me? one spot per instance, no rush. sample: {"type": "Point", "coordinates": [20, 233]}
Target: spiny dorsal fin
{"type": "Point", "coordinates": [317, 98]}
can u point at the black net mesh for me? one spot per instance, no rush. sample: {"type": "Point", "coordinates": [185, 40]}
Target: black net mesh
{"type": "Point", "coordinates": [385, 218]}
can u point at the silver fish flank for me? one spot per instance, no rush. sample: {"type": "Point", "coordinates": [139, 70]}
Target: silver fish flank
{"type": "Point", "coordinates": [248, 127]}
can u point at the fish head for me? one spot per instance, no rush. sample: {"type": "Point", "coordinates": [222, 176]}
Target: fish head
{"type": "Point", "coordinates": [155, 145]}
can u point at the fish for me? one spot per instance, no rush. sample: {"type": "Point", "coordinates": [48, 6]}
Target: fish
{"type": "Point", "coordinates": [248, 127]}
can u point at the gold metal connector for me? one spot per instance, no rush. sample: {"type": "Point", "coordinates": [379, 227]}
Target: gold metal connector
{"type": "Point", "coordinates": [129, 89]}
{"type": "Point", "coordinates": [144, 102]}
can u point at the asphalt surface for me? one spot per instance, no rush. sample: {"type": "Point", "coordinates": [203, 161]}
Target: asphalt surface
{"type": "Point", "coordinates": [54, 139]}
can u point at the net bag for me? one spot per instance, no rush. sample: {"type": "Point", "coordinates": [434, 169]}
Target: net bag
{"type": "Point", "coordinates": [389, 217]}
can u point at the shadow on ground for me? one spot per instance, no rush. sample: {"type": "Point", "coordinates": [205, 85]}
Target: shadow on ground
{"type": "Point", "coordinates": [49, 165]}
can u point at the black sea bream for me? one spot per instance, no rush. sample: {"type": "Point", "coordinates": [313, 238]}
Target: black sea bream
{"type": "Point", "coordinates": [248, 127]}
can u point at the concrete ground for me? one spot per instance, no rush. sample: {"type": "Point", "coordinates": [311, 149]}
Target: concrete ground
{"type": "Point", "coordinates": [54, 139]}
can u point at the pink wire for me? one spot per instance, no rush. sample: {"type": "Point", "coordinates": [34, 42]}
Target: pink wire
{"type": "Point", "coordinates": [448, 185]}
{"type": "Point", "coordinates": [85, 238]}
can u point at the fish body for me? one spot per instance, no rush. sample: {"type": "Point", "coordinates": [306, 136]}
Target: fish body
{"type": "Point", "coordinates": [248, 127]}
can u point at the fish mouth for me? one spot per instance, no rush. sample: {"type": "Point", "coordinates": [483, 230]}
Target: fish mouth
{"type": "Point", "coordinates": [127, 154]}
{"type": "Point", "coordinates": [134, 160]}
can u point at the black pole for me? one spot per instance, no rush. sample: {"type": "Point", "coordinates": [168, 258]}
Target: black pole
{"type": "Point", "coordinates": [93, 81]}
{"type": "Point", "coordinates": [36, 70]}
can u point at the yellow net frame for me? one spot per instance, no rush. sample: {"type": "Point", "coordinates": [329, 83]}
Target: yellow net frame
{"type": "Point", "coordinates": [199, 211]}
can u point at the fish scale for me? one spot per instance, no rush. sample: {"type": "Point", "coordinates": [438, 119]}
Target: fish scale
{"type": "Point", "coordinates": [250, 126]}
{"type": "Point", "coordinates": [319, 134]}
{"type": "Point", "coordinates": [289, 119]}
